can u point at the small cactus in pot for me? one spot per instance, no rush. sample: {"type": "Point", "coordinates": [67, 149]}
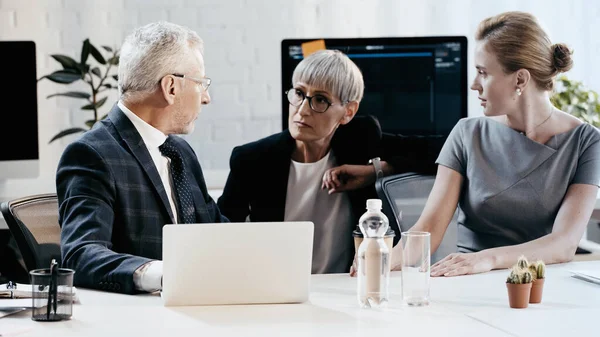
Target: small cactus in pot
{"type": "Point", "coordinates": [538, 270]}
{"type": "Point", "coordinates": [522, 262]}
{"type": "Point", "coordinates": [519, 283]}
{"type": "Point", "coordinates": [519, 276]}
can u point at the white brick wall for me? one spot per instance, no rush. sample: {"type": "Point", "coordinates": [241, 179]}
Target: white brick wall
{"type": "Point", "coordinates": [242, 39]}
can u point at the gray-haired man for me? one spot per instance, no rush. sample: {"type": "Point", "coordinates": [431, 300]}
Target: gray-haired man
{"type": "Point", "coordinates": [122, 181]}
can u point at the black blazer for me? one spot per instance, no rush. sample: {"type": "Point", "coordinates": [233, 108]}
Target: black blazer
{"type": "Point", "coordinates": [113, 205]}
{"type": "Point", "coordinates": [258, 177]}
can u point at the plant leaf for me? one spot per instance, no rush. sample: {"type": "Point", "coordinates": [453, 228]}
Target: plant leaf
{"type": "Point", "coordinates": [101, 102]}
{"type": "Point", "coordinates": [63, 76]}
{"type": "Point", "coordinates": [101, 118]}
{"type": "Point", "coordinates": [90, 123]}
{"type": "Point", "coordinates": [65, 61]}
{"type": "Point", "coordinates": [566, 97]}
{"type": "Point", "coordinates": [108, 49]}
{"type": "Point", "coordinates": [83, 68]}
{"type": "Point", "coordinates": [114, 60]}
{"type": "Point", "coordinates": [96, 106]}
{"type": "Point", "coordinates": [74, 94]}
{"type": "Point", "coordinates": [66, 133]}
{"type": "Point", "coordinates": [85, 51]}
{"type": "Point", "coordinates": [580, 108]}
{"type": "Point", "coordinates": [108, 85]}
{"type": "Point", "coordinates": [115, 77]}
{"type": "Point", "coordinates": [96, 71]}
{"type": "Point", "coordinates": [97, 55]}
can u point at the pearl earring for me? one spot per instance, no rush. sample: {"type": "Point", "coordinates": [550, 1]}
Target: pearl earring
{"type": "Point", "coordinates": [519, 91]}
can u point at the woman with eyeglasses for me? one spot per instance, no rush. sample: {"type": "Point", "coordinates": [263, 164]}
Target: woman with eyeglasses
{"type": "Point", "coordinates": [281, 177]}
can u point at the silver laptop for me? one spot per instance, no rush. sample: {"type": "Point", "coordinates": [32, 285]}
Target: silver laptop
{"type": "Point", "coordinates": [237, 263]}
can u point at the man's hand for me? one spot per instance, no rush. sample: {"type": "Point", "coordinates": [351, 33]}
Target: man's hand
{"type": "Point", "coordinates": [348, 177]}
{"type": "Point", "coordinates": [462, 264]}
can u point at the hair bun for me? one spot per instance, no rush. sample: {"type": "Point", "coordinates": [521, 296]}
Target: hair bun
{"type": "Point", "coordinates": [561, 59]}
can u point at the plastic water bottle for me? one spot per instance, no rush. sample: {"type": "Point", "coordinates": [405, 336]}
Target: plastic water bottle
{"type": "Point", "coordinates": [373, 258]}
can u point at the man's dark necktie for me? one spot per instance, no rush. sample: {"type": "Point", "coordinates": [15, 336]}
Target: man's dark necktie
{"type": "Point", "coordinates": [183, 193]}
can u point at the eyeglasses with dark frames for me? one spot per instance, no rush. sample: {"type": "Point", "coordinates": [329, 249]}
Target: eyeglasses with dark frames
{"type": "Point", "coordinates": [318, 103]}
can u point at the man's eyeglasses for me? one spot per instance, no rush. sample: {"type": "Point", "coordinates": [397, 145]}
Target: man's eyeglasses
{"type": "Point", "coordinates": [203, 82]}
{"type": "Point", "coordinates": [318, 103]}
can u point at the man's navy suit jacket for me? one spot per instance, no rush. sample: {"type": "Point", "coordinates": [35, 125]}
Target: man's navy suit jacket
{"type": "Point", "coordinates": [113, 205]}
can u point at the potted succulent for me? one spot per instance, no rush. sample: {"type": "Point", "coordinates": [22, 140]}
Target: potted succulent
{"type": "Point", "coordinates": [99, 77]}
{"type": "Point", "coordinates": [522, 262]}
{"type": "Point", "coordinates": [518, 284]}
{"type": "Point", "coordinates": [538, 271]}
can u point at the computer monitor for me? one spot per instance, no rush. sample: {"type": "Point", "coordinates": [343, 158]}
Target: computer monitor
{"type": "Point", "coordinates": [415, 86]}
{"type": "Point", "coordinates": [19, 148]}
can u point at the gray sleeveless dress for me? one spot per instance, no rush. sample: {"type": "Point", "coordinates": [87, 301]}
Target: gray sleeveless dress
{"type": "Point", "coordinates": [514, 186]}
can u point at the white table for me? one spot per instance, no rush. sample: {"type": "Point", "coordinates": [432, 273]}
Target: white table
{"type": "Point", "coordinates": [475, 305]}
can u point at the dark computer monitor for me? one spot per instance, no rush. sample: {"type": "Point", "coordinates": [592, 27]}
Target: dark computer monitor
{"type": "Point", "coordinates": [413, 85]}
{"type": "Point", "coordinates": [19, 147]}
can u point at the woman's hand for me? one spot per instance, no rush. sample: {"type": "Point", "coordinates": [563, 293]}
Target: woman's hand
{"type": "Point", "coordinates": [353, 267]}
{"type": "Point", "coordinates": [463, 264]}
{"type": "Point", "coordinates": [396, 263]}
{"type": "Point", "coordinates": [348, 177]}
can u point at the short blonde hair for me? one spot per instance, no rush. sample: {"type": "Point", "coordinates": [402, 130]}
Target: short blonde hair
{"type": "Point", "coordinates": [333, 71]}
{"type": "Point", "coordinates": [519, 42]}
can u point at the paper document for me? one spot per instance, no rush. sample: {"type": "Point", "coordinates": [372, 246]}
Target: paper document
{"type": "Point", "coordinates": [20, 290]}
{"type": "Point", "coordinates": [23, 290]}
{"type": "Point", "coordinates": [587, 275]}
{"type": "Point", "coordinates": [8, 304]}
{"type": "Point", "coordinates": [10, 311]}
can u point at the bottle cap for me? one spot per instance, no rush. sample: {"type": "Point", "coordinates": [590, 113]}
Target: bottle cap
{"type": "Point", "coordinates": [374, 204]}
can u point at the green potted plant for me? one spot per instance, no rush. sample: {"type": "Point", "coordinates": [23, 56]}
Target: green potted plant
{"type": "Point", "coordinates": [518, 285]}
{"type": "Point", "coordinates": [97, 76]}
{"type": "Point", "coordinates": [538, 271]}
{"type": "Point", "coordinates": [573, 97]}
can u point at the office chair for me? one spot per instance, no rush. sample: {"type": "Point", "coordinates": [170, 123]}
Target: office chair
{"type": "Point", "coordinates": [403, 198]}
{"type": "Point", "coordinates": [33, 222]}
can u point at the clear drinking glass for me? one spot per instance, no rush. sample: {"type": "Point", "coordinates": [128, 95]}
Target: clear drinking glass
{"type": "Point", "coordinates": [416, 265]}
{"type": "Point", "coordinates": [52, 296]}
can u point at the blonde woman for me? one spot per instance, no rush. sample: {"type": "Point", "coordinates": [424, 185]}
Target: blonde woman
{"type": "Point", "coordinates": [526, 175]}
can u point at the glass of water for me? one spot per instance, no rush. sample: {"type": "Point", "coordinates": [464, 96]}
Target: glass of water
{"type": "Point", "coordinates": [416, 266]}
